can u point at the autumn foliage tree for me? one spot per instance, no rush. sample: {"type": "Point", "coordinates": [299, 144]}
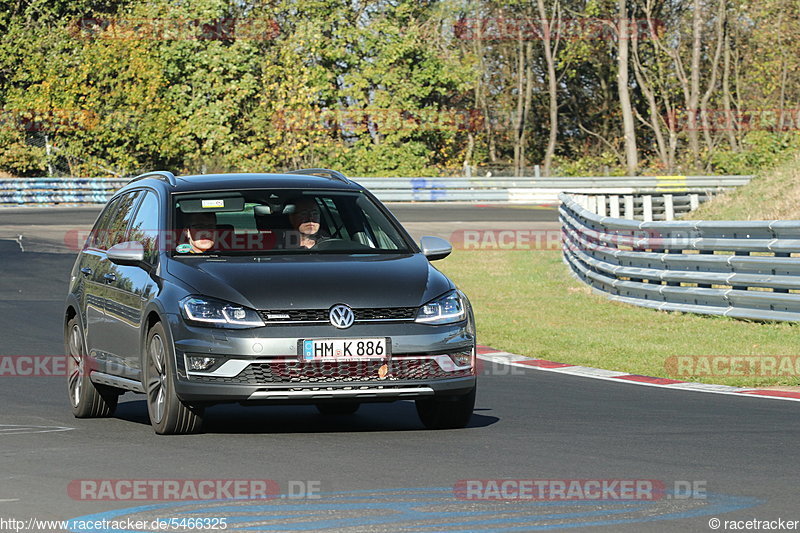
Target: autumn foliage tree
{"type": "Point", "coordinates": [398, 87]}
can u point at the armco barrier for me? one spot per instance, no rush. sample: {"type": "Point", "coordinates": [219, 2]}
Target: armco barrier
{"type": "Point", "coordinates": [737, 269]}
{"type": "Point", "coordinates": [42, 191]}
{"type": "Point", "coordinates": [644, 204]}
{"type": "Point", "coordinates": [535, 190]}
{"type": "Point", "coordinates": [45, 191]}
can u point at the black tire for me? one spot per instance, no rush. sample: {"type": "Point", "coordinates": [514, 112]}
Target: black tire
{"type": "Point", "coordinates": [168, 414]}
{"type": "Point", "coordinates": [344, 408]}
{"type": "Point", "coordinates": [446, 412]}
{"type": "Point", "coordinates": [87, 399]}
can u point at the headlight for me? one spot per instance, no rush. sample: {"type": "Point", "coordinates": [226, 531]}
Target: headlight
{"type": "Point", "coordinates": [443, 310]}
{"type": "Point", "coordinates": [202, 311]}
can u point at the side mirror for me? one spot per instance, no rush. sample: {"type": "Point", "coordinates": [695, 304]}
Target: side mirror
{"type": "Point", "coordinates": [126, 253]}
{"type": "Point", "coordinates": [435, 248]}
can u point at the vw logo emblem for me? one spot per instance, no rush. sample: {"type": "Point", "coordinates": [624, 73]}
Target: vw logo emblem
{"type": "Point", "coordinates": [341, 316]}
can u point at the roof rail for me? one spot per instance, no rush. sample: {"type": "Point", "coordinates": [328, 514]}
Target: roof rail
{"type": "Point", "coordinates": [324, 172]}
{"type": "Point", "coordinates": [164, 175]}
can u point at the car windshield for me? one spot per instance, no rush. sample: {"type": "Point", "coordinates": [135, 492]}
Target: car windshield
{"type": "Point", "coordinates": [257, 222]}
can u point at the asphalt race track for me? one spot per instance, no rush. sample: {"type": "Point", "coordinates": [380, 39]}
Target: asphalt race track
{"type": "Point", "coordinates": [379, 470]}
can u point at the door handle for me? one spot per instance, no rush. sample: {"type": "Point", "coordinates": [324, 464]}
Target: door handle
{"type": "Point", "coordinates": [110, 278]}
{"type": "Point", "coordinates": [86, 271]}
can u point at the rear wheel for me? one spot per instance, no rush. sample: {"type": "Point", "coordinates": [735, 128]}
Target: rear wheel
{"type": "Point", "coordinates": [168, 414]}
{"type": "Point", "coordinates": [88, 400]}
{"type": "Point", "coordinates": [346, 408]}
{"type": "Point", "coordinates": [447, 412]}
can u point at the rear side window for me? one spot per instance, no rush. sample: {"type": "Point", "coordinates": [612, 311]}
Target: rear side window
{"type": "Point", "coordinates": [98, 238]}
{"type": "Point", "coordinates": [118, 228]}
{"type": "Point", "coordinates": [144, 228]}
{"type": "Point", "coordinates": [113, 223]}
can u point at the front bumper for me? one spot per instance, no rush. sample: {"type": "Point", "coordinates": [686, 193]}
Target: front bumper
{"type": "Point", "coordinates": [262, 365]}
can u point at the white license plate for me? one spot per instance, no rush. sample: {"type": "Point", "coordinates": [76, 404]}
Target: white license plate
{"type": "Point", "coordinates": [316, 349]}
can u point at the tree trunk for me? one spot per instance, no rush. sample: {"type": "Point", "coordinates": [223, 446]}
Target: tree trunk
{"type": "Point", "coordinates": [631, 154]}
{"type": "Point", "coordinates": [552, 88]}
{"type": "Point", "coordinates": [726, 95]}
{"type": "Point", "coordinates": [694, 88]}
{"type": "Point", "coordinates": [646, 86]}
{"type": "Point", "coordinates": [518, 119]}
{"type": "Point", "coordinates": [712, 83]}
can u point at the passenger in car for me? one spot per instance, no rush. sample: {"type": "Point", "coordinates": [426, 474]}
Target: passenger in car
{"type": "Point", "coordinates": [305, 221]}
{"type": "Point", "coordinates": [200, 233]}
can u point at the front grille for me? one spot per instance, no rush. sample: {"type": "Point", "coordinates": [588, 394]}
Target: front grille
{"type": "Point", "coordinates": [306, 316]}
{"type": "Point", "coordinates": [386, 313]}
{"type": "Point", "coordinates": [288, 372]}
{"type": "Point", "coordinates": [294, 315]}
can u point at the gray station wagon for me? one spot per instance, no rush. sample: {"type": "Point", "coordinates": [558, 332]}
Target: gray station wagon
{"type": "Point", "coordinates": [263, 289]}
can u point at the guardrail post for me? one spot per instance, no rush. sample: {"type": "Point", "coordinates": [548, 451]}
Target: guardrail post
{"type": "Point", "coordinates": [601, 205]}
{"type": "Point", "coordinates": [647, 208]}
{"type": "Point", "coordinates": [705, 285]}
{"type": "Point", "coordinates": [629, 207]}
{"type": "Point", "coordinates": [694, 201]}
{"type": "Point", "coordinates": [613, 206]}
{"type": "Point", "coordinates": [669, 208]}
{"type": "Point", "coordinates": [591, 203]}
{"type": "Point", "coordinates": [782, 254]}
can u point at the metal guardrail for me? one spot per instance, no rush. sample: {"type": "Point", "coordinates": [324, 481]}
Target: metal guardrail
{"type": "Point", "coordinates": [645, 205]}
{"type": "Point", "coordinates": [730, 268]}
{"type": "Point", "coordinates": [41, 191]}
{"type": "Point", "coordinates": [69, 191]}
{"type": "Point", "coordinates": [534, 190]}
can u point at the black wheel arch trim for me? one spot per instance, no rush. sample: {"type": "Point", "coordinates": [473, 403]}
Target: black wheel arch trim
{"type": "Point", "coordinates": [163, 318]}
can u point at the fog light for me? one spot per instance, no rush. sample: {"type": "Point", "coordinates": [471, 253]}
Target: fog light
{"type": "Point", "coordinates": [462, 358]}
{"type": "Point", "coordinates": [199, 362]}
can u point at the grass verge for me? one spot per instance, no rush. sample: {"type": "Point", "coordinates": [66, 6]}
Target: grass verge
{"type": "Point", "coordinates": [526, 302]}
{"type": "Point", "coordinates": [772, 195]}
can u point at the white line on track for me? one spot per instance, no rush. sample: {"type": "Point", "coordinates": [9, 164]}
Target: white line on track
{"type": "Point", "coordinates": [610, 375]}
{"type": "Point", "coordinates": [21, 429]}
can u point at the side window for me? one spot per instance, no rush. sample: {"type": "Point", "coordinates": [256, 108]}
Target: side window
{"type": "Point", "coordinates": [118, 227]}
{"type": "Point", "coordinates": [383, 240]}
{"type": "Point", "coordinates": [332, 219]}
{"type": "Point", "coordinates": [144, 228]}
{"type": "Point", "coordinates": [379, 227]}
{"type": "Point", "coordinates": [99, 235]}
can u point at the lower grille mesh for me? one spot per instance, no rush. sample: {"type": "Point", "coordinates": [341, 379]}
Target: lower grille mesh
{"type": "Point", "coordinates": [335, 372]}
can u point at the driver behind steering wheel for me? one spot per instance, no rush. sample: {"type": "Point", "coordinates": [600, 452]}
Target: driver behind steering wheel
{"type": "Point", "coordinates": [305, 221]}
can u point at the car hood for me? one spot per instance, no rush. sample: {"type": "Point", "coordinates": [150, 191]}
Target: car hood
{"type": "Point", "coordinates": [314, 281]}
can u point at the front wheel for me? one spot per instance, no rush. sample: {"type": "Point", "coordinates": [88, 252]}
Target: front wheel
{"type": "Point", "coordinates": [168, 414]}
{"type": "Point", "coordinates": [88, 400]}
{"type": "Point", "coordinates": [446, 412]}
